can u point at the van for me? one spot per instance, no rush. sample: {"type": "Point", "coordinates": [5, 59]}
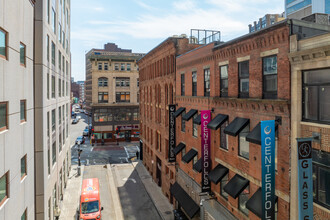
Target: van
{"type": "Point", "coordinates": [90, 204]}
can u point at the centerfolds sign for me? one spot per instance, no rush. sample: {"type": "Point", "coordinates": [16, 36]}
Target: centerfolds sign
{"type": "Point", "coordinates": [171, 133]}
{"type": "Point", "coordinates": [268, 169]}
{"type": "Point", "coordinates": [305, 178]}
{"type": "Point", "coordinates": [206, 150]}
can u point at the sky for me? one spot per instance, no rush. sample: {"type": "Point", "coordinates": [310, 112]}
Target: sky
{"type": "Point", "coordinates": [141, 25]}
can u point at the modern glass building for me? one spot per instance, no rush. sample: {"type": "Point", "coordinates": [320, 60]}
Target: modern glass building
{"type": "Point", "coordinates": [302, 8]}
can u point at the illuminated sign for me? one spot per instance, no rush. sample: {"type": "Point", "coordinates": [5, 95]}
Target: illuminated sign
{"type": "Point", "coordinates": [268, 169]}
{"type": "Point", "coordinates": [305, 178]}
{"type": "Point", "coordinates": [171, 133]}
{"type": "Point", "coordinates": [206, 150]}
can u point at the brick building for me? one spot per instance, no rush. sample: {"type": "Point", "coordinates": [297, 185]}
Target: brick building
{"type": "Point", "coordinates": [310, 77]}
{"type": "Point", "coordinates": [157, 82]}
{"type": "Point", "coordinates": [243, 81]}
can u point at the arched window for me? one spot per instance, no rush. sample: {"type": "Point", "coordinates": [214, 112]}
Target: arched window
{"type": "Point", "coordinates": [103, 82]}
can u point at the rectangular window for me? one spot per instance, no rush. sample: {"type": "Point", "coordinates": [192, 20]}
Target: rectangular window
{"type": "Point", "coordinates": [128, 66]}
{"type": "Point", "coordinates": [223, 182]}
{"type": "Point", "coordinates": [47, 85]}
{"type": "Point", "coordinates": [122, 66]}
{"type": "Point", "coordinates": [183, 122]}
{"type": "Point", "coordinates": [99, 66]}
{"type": "Point", "coordinates": [48, 133]}
{"type": "Point", "coordinates": [316, 93]}
{"type": "Point", "coordinates": [59, 115]}
{"type": "Point", "coordinates": [122, 97]}
{"type": "Point", "coordinates": [243, 145]}
{"type": "Point", "coordinates": [59, 87]}
{"type": "Point", "coordinates": [53, 53]}
{"type": "Point", "coordinates": [269, 77]}
{"type": "Point", "coordinates": [207, 82]}
{"type": "Point", "coordinates": [183, 152]}
{"type": "Point", "coordinates": [122, 81]}
{"type": "Point", "coordinates": [182, 85]}
{"type": "Point", "coordinates": [59, 32]}
{"type": "Point", "coordinates": [223, 136]}
{"type": "Point", "coordinates": [48, 12]}
{"type": "Point", "coordinates": [23, 110]}
{"type": "Point", "coordinates": [23, 167]}
{"type": "Point", "coordinates": [62, 88]}
{"type": "Point", "coordinates": [53, 87]}
{"type": "Point", "coordinates": [138, 82]}
{"type": "Point", "coordinates": [22, 54]}
{"type": "Point", "coordinates": [4, 188]}
{"type": "Point", "coordinates": [243, 74]}
{"type": "Point", "coordinates": [321, 177]}
{"type": "Point", "coordinates": [242, 199]}
{"type": "Point", "coordinates": [53, 120]}
{"type": "Point", "coordinates": [54, 153]}
{"type": "Point", "coordinates": [3, 44]}
{"type": "Point", "coordinates": [60, 142]}
{"type": "Point", "coordinates": [116, 66]}
{"type": "Point", "coordinates": [59, 59]}
{"type": "Point", "coordinates": [195, 130]}
{"type": "Point", "coordinates": [48, 161]}
{"type": "Point", "coordinates": [224, 81]}
{"type": "Point", "coordinates": [103, 97]}
{"type": "Point", "coordinates": [194, 83]}
{"type": "Point", "coordinates": [54, 20]}
{"type": "Point", "coordinates": [3, 116]}
{"type": "Point", "coordinates": [106, 67]}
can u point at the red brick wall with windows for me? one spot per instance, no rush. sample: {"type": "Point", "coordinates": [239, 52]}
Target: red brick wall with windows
{"type": "Point", "coordinates": [273, 40]}
{"type": "Point", "coordinates": [157, 91]}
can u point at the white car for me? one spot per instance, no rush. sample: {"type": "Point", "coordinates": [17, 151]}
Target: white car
{"type": "Point", "coordinates": [78, 117]}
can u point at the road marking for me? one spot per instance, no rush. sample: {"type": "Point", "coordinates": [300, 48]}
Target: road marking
{"type": "Point", "coordinates": [126, 179]}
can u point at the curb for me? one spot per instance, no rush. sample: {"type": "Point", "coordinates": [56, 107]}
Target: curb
{"type": "Point", "coordinates": [115, 194]}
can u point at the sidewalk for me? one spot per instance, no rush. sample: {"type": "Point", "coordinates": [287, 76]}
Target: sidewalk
{"type": "Point", "coordinates": [71, 195]}
{"type": "Point", "coordinates": [162, 204]}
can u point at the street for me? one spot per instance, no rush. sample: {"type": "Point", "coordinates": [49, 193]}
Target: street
{"type": "Point", "coordinates": [112, 164]}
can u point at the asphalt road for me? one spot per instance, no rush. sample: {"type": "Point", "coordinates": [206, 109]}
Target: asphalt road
{"type": "Point", "coordinates": [134, 199]}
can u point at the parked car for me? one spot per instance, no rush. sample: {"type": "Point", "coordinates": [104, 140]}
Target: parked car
{"type": "Point", "coordinates": [78, 117]}
{"type": "Point", "coordinates": [80, 140]}
{"type": "Point", "coordinates": [75, 121]}
{"type": "Point", "coordinates": [85, 132]}
{"type": "Point", "coordinates": [86, 112]}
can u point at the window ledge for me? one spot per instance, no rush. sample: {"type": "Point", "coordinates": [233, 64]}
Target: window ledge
{"type": "Point", "coordinates": [23, 178]}
{"type": "Point", "coordinates": [23, 122]}
{"type": "Point", "coordinates": [243, 158]}
{"type": "Point", "coordinates": [3, 131]}
{"type": "Point", "coordinates": [315, 124]}
{"type": "Point", "coordinates": [4, 203]}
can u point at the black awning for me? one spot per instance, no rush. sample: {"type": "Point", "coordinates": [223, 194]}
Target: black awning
{"type": "Point", "coordinates": [197, 120]}
{"type": "Point", "coordinates": [218, 173]}
{"type": "Point", "coordinates": [186, 202]}
{"type": "Point", "coordinates": [236, 185]}
{"type": "Point", "coordinates": [179, 111]}
{"type": "Point", "coordinates": [179, 148]}
{"type": "Point", "coordinates": [189, 156]}
{"type": "Point", "coordinates": [254, 204]}
{"type": "Point", "coordinates": [198, 165]}
{"type": "Point", "coordinates": [189, 115]}
{"type": "Point", "coordinates": [236, 126]}
{"type": "Point", "coordinates": [217, 121]}
{"type": "Point", "coordinates": [255, 135]}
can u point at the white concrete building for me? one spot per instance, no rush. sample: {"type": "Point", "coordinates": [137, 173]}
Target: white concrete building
{"type": "Point", "coordinates": [16, 110]}
{"type": "Point", "coordinates": [52, 105]}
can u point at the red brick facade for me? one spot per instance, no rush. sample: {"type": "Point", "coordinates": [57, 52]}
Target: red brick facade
{"type": "Point", "coordinates": [255, 108]}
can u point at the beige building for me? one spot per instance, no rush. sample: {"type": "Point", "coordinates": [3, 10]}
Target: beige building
{"type": "Point", "coordinates": [16, 110]}
{"type": "Point", "coordinates": [310, 107]}
{"type": "Point", "coordinates": [112, 93]}
{"type": "Point", "coordinates": [52, 105]}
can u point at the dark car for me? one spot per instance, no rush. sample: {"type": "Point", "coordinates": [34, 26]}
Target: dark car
{"type": "Point", "coordinates": [80, 140]}
{"type": "Point", "coordinates": [75, 121]}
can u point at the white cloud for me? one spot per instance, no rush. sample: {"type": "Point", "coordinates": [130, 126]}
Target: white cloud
{"type": "Point", "coordinates": [98, 9]}
{"type": "Point", "coordinates": [184, 5]}
{"type": "Point", "coordinates": [144, 5]}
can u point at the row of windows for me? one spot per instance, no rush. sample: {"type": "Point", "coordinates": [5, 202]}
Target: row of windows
{"type": "Point", "coordinates": [122, 116]}
{"type": "Point", "coordinates": [269, 79]}
{"type": "Point", "coordinates": [60, 119]}
{"type": "Point", "coordinates": [103, 97]}
{"type": "Point", "coordinates": [123, 66]}
{"type": "Point", "coordinates": [3, 48]}
{"type": "Point", "coordinates": [4, 181]}
{"type": "Point", "coordinates": [62, 63]}
{"type": "Point", "coordinates": [4, 114]}
{"type": "Point", "coordinates": [120, 82]}
{"type": "Point", "coordinates": [63, 87]}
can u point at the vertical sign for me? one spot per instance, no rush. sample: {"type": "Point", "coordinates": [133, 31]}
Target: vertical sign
{"type": "Point", "coordinates": [305, 178]}
{"type": "Point", "coordinates": [268, 169]}
{"type": "Point", "coordinates": [206, 150]}
{"type": "Point", "coordinates": [171, 133]}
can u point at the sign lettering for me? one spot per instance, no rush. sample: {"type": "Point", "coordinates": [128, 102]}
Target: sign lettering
{"type": "Point", "coordinates": [171, 133]}
{"type": "Point", "coordinates": [206, 150]}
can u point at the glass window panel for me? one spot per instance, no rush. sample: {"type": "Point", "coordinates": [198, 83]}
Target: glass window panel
{"type": "Point", "coordinates": [223, 182]}
{"type": "Point", "coordinates": [22, 110]}
{"type": "Point", "coordinates": [270, 65]}
{"type": "Point", "coordinates": [182, 85]}
{"type": "Point", "coordinates": [3, 115]}
{"type": "Point", "coordinates": [223, 136]}
{"type": "Point", "coordinates": [317, 76]}
{"type": "Point", "coordinates": [270, 83]}
{"type": "Point", "coordinates": [323, 186]}
{"type": "Point", "coordinates": [23, 166]}
{"type": "Point", "coordinates": [22, 53]}
{"type": "Point", "coordinates": [243, 144]}
{"type": "Point", "coordinates": [243, 69]}
{"type": "Point", "coordinates": [224, 72]}
{"type": "Point", "coordinates": [183, 122]}
{"type": "Point", "coordinates": [3, 187]}
{"type": "Point", "coordinates": [324, 103]}
{"type": "Point", "coordinates": [242, 199]}
{"type": "Point", "coordinates": [311, 100]}
{"type": "Point", "coordinates": [244, 85]}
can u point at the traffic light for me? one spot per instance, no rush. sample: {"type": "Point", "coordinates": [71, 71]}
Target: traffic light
{"type": "Point", "coordinates": [117, 130]}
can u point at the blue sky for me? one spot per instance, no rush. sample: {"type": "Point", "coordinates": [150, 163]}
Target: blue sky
{"type": "Point", "coordinates": [141, 25]}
